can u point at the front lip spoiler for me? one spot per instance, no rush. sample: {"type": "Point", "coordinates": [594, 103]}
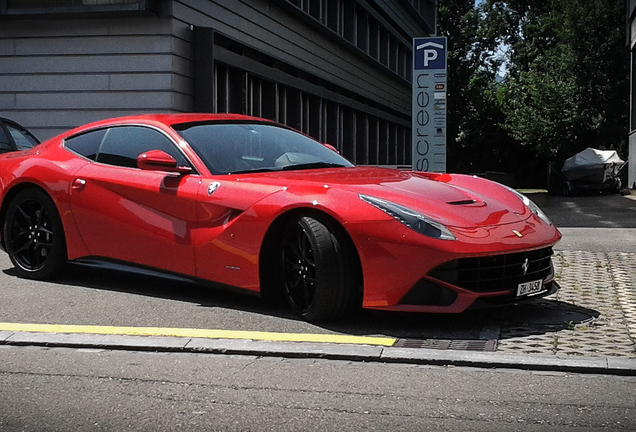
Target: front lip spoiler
{"type": "Point", "coordinates": [492, 303]}
{"type": "Point", "coordinates": [466, 302]}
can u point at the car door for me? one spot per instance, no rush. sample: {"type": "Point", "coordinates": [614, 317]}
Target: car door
{"type": "Point", "coordinates": [128, 214]}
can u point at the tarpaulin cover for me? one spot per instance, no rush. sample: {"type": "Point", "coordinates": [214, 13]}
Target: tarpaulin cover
{"type": "Point", "coordinates": [592, 166]}
{"type": "Point", "coordinates": [592, 158]}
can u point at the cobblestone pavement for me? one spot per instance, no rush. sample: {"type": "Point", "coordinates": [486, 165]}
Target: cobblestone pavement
{"type": "Point", "coordinates": [594, 313]}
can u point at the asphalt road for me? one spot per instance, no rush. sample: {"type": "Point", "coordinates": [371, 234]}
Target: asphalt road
{"type": "Point", "coordinates": [93, 390]}
{"type": "Point", "coordinates": [597, 222]}
{"type": "Point", "coordinates": [589, 211]}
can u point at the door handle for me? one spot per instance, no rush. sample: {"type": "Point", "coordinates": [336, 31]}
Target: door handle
{"type": "Point", "coordinates": [78, 184]}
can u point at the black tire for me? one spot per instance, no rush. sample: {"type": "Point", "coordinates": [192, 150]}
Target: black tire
{"type": "Point", "coordinates": [319, 273]}
{"type": "Point", "coordinates": [34, 236]}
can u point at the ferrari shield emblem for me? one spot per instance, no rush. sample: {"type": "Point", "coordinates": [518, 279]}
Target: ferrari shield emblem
{"type": "Point", "coordinates": [212, 187]}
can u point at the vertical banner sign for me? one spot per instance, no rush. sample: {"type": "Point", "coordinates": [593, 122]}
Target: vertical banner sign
{"type": "Point", "coordinates": [429, 104]}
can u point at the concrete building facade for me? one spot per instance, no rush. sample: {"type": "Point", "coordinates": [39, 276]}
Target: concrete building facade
{"type": "Point", "coordinates": [338, 70]}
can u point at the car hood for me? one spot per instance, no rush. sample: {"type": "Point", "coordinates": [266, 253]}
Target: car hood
{"type": "Point", "coordinates": [454, 200]}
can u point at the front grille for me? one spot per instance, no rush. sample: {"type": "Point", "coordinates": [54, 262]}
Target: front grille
{"type": "Point", "coordinates": [496, 273]}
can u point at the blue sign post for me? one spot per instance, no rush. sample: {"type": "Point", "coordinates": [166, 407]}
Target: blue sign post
{"type": "Point", "coordinates": [429, 104]}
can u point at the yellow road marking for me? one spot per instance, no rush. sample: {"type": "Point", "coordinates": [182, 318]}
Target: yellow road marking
{"type": "Point", "coordinates": [198, 333]}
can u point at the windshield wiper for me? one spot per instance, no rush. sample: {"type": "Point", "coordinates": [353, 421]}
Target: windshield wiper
{"type": "Point", "coordinates": [309, 165]}
{"type": "Point", "coordinates": [312, 165]}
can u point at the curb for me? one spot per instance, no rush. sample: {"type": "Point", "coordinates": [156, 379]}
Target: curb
{"type": "Point", "coordinates": [325, 350]}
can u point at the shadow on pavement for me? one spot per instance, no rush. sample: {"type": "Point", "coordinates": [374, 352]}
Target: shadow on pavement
{"type": "Point", "coordinates": [535, 317]}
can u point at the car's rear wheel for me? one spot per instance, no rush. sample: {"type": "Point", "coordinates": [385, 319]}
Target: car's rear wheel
{"type": "Point", "coordinates": [34, 236]}
{"type": "Point", "coordinates": [319, 273]}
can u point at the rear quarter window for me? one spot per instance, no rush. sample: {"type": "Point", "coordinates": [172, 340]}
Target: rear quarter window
{"type": "Point", "coordinates": [86, 144]}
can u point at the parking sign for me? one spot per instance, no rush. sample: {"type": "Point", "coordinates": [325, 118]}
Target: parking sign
{"type": "Point", "coordinates": [429, 104]}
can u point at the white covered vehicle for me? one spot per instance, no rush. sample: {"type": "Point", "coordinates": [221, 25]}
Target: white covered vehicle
{"type": "Point", "coordinates": [592, 169]}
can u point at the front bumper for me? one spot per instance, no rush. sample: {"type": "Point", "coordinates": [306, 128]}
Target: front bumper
{"type": "Point", "coordinates": [404, 271]}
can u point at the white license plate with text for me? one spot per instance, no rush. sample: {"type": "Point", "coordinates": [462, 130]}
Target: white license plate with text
{"type": "Point", "coordinates": [528, 288]}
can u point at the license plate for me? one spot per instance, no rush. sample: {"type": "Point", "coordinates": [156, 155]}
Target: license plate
{"type": "Point", "coordinates": [528, 288]}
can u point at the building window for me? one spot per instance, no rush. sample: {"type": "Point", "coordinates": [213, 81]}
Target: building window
{"type": "Point", "coordinates": [29, 7]}
{"type": "Point", "coordinates": [235, 78]}
{"type": "Point", "coordinates": [360, 137]}
{"type": "Point", "coordinates": [332, 15]}
{"type": "Point", "coordinates": [62, 3]}
{"type": "Point", "coordinates": [374, 39]}
{"type": "Point", "coordinates": [427, 11]}
{"type": "Point", "coordinates": [362, 30]}
{"type": "Point", "coordinates": [354, 24]}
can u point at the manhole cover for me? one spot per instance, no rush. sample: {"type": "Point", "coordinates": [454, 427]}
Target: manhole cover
{"type": "Point", "coordinates": [445, 344]}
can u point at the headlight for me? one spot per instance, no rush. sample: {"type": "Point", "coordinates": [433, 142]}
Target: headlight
{"type": "Point", "coordinates": [412, 219]}
{"type": "Point", "coordinates": [531, 205]}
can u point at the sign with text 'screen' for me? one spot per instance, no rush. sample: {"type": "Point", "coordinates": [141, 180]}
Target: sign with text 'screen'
{"type": "Point", "coordinates": [429, 104]}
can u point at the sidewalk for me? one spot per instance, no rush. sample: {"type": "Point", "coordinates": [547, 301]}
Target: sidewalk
{"type": "Point", "coordinates": [598, 304]}
{"type": "Point", "coordinates": [589, 326]}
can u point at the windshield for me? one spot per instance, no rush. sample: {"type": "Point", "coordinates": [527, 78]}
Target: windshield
{"type": "Point", "coordinates": [232, 148]}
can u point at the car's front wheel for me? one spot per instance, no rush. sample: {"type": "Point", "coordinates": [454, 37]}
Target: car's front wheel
{"type": "Point", "coordinates": [34, 236]}
{"type": "Point", "coordinates": [320, 276]}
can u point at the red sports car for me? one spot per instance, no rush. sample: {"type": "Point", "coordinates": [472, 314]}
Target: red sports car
{"type": "Point", "coordinates": [249, 203]}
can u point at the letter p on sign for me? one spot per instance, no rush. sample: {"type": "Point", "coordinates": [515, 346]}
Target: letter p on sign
{"type": "Point", "coordinates": [429, 55]}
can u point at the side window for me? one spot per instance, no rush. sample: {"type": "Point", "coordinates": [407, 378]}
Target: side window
{"type": "Point", "coordinates": [123, 144]}
{"type": "Point", "coordinates": [86, 144]}
{"type": "Point", "coordinates": [23, 140]}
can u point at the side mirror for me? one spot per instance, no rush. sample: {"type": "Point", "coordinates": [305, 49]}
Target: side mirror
{"type": "Point", "coordinates": [158, 160]}
{"type": "Point", "coordinates": [330, 147]}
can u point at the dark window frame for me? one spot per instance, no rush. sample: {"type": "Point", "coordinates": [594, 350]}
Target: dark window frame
{"type": "Point", "coordinates": [52, 7]}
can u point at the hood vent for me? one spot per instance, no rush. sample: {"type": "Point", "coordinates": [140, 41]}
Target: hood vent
{"type": "Point", "coordinates": [464, 202]}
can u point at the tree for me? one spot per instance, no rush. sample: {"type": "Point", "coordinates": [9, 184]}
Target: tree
{"type": "Point", "coordinates": [568, 83]}
{"type": "Point", "coordinates": [473, 126]}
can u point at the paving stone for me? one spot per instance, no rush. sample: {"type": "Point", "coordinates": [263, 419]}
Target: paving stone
{"type": "Point", "coordinates": [603, 283]}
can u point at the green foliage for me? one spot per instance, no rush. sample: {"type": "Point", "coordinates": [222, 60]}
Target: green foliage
{"type": "Point", "coordinates": [566, 86]}
{"type": "Point", "coordinates": [473, 117]}
{"type": "Point", "coordinates": [541, 107]}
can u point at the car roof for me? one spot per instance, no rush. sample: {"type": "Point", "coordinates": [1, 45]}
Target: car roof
{"type": "Point", "coordinates": [173, 119]}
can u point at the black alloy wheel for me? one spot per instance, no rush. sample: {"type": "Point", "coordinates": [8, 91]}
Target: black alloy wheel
{"type": "Point", "coordinates": [319, 278]}
{"type": "Point", "coordinates": [34, 236]}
